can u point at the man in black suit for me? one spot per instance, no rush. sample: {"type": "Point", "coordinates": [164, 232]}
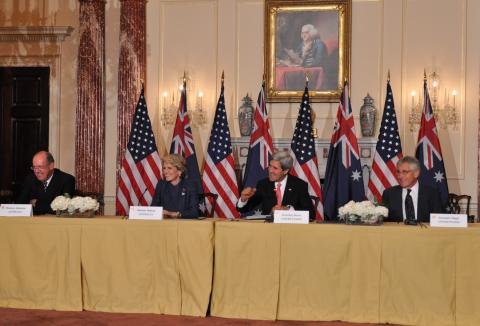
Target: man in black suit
{"type": "Point", "coordinates": [44, 184]}
{"type": "Point", "coordinates": [411, 200]}
{"type": "Point", "coordinates": [280, 191]}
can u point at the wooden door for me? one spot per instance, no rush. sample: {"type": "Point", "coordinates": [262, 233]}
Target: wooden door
{"type": "Point", "coordinates": [24, 115]}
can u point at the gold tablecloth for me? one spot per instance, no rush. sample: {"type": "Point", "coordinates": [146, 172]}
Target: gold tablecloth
{"type": "Point", "coordinates": [112, 264]}
{"type": "Point", "coordinates": [40, 264]}
{"type": "Point", "coordinates": [388, 274]}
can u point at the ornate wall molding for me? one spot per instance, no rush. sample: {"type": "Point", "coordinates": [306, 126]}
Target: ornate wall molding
{"type": "Point", "coordinates": [35, 33]}
{"type": "Point", "coordinates": [10, 56]}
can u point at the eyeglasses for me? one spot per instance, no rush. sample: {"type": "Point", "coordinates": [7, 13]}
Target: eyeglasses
{"type": "Point", "coordinates": [403, 172]}
{"type": "Point", "coordinates": [38, 167]}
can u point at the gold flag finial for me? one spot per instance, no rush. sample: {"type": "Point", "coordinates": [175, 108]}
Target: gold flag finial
{"type": "Point", "coordinates": [424, 74]}
{"type": "Point", "coordinates": [388, 76]}
{"type": "Point", "coordinates": [223, 76]}
{"type": "Point", "coordinates": [184, 76]}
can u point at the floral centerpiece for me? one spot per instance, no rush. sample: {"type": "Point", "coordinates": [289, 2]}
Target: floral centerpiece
{"type": "Point", "coordinates": [364, 212]}
{"type": "Point", "coordinates": [64, 205]}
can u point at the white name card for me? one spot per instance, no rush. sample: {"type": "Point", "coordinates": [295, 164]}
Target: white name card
{"type": "Point", "coordinates": [291, 217]}
{"type": "Point", "coordinates": [145, 213]}
{"type": "Point", "coordinates": [15, 209]}
{"type": "Point", "coordinates": [448, 220]}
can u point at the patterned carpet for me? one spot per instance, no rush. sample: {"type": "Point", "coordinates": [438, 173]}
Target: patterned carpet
{"type": "Point", "coordinates": [25, 317]}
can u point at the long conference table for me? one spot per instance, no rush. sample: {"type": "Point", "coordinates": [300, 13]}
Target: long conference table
{"type": "Point", "coordinates": [393, 273]}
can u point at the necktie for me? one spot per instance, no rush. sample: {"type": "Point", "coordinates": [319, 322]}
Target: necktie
{"type": "Point", "coordinates": [278, 192]}
{"type": "Point", "coordinates": [45, 185]}
{"type": "Point", "coordinates": [409, 209]}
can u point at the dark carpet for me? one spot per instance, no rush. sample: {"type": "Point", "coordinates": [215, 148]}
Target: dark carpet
{"type": "Point", "coordinates": [27, 317]}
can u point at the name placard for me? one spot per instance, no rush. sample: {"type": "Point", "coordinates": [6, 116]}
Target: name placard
{"type": "Point", "coordinates": [449, 220]}
{"type": "Point", "coordinates": [145, 213]}
{"type": "Point", "coordinates": [290, 217]}
{"type": "Point", "coordinates": [15, 209]}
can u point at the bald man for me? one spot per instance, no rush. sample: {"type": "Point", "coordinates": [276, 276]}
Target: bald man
{"type": "Point", "coordinates": [44, 184]}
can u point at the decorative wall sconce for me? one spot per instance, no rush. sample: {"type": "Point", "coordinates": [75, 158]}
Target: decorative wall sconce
{"type": "Point", "coordinates": [196, 112]}
{"type": "Point", "coordinates": [445, 113]}
{"type": "Point", "coordinates": [168, 113]}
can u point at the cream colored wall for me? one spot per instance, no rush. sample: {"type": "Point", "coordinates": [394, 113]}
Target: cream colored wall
{"type": "Point", "coordinates": [204, 37]}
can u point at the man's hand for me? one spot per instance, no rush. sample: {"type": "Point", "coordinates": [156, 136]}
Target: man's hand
{"type": "Point", "coordinates": [33, 202]}
{"type": "Point", "coordinates": [280, 208]}
{"type": "Point", "coordinates": [247, 193]}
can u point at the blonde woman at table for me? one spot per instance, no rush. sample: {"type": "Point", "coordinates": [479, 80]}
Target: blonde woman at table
{"type": "Point", "coordinates": [175, 193]}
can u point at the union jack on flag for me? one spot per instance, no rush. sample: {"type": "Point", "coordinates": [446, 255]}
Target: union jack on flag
{"type": "Point", "coordinates": [343, 176]}
{"type": "Point", "coordinates": [387, 152]}
{"type": "Point", "coordinates": [429, 151]}
{"type": "Point", "coordinates": [182, 140]}
{"type": "Point", "coordinates": [261, 146]}
{"type": "Point", "coordinates": [303, 151]}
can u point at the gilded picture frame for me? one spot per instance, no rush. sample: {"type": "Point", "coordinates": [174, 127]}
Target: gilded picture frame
{"type": "Point", "coordinates": [307, 39]}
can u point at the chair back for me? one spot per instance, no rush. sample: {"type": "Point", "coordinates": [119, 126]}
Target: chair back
{"type": "Point", "coordinates": [460, 204]}
{"type": "Point", "coordinates": [207, 210]}
{"type": "Point", "coordinates": [315, 201]}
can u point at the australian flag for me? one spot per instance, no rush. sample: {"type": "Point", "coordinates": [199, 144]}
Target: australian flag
{"type": "Point", "coordinates": [343, 176]}
{"type": "Point", "coordinates": [429, 152]}
{"type": "Point", "coordinates": [261, 146]}
{"type": "Point", "coordinates": [182, 140]}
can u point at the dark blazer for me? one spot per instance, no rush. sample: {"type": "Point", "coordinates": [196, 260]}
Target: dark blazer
{"type": "Point", "coordinates": [61, 183]}
{"type": "Point", "coordinates": [296, 195]}
{"type": "Point", "coordinates": [187, 204]}
{"type": "Point", "coordinates": [428, 202]}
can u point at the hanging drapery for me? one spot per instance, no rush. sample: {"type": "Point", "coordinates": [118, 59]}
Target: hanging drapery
{"type": "Point", "coordinates": [90, 114]}
{"type": "Point", "coordinates": [131, 67]}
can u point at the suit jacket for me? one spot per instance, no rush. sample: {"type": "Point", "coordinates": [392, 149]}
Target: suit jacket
{"type": "Point", "coordinates": [428, 202]}
{"type": "Point", "coordinates": [296, 195]}
{"type": "Point", "coordinates": [186, 204]}
{"type": "Point", "coordinates": [61, 183]}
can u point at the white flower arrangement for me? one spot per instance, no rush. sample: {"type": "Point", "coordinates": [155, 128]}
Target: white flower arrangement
{"type": "Point", "coordinates": [75, 204]}
{"type": "Point", "coordinates": [364, 212]}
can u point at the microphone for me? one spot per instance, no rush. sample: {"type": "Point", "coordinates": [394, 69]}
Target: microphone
{"type": "Point", "coordinates": [143, 193]}
{"type": "Point", "coordinates": [409, 221]}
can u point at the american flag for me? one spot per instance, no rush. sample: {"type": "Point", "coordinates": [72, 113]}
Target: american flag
{"type": "Point", "coordinates": [343, 176]}
{"type": "Point", "coordinates": [182, 140]}
{"type": "Point", "coordinates": [303, 151]}
{"type": "Point", "coordinates": [429, 152]}
{"type": "Point", "coordinates": [219, 173]}
{"type": "Point", "coordinates": [387, 152]}
{"type": "Point", "coordinates": [261, 146]}
{"type": "Point", "coordinates": [141, 167]}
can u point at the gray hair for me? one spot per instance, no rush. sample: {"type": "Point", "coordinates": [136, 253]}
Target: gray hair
{"type": "Point", "coordinates": [310, 29]}
{"type": "Point", "coordinates": [412, 161]}
{"type": "Point", "coordinates": [285, 159]}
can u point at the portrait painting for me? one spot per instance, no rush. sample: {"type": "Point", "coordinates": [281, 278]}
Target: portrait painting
{"type": "Point", "coordinates": [306, 41]}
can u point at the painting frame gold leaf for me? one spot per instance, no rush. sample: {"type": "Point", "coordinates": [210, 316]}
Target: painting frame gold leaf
{"type": "Point", "coordinates": [306, 39]}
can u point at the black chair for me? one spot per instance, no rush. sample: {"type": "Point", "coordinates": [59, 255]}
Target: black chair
{"type": "Point", "coordinates": [315, 201]}
{"type": "Point", "coordinates": [460, 204]}
{"type": "Point", "coordinates": [204, 208]}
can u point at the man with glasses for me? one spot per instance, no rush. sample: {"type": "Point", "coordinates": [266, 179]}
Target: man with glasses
{"type": "Point", "coordinates": [411, 200]}
{"type": "Point", "coordinates": [45, 183]}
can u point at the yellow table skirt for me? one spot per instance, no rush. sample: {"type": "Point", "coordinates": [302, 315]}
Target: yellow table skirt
{"type": "Point", "coordinates": [109, 264]}
{"type": "Point", "coordinates": [388, 274]}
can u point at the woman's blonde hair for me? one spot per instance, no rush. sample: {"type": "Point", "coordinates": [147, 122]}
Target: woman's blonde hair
{"type": "Point", "coordinates": [177, 161]}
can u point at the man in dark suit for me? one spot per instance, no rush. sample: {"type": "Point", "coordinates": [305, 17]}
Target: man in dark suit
{"type": "Point", "coordinates": [411, 200]}
{"type": "Point", "coordinates": [280, 191]}
{"type": "Point", "coordinates": [44, 184]}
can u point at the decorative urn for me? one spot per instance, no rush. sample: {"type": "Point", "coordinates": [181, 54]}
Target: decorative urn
{"type": "Point", "coordinates": [367, 117]}
{"type": "Point", "coordinates": [245, 116]}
